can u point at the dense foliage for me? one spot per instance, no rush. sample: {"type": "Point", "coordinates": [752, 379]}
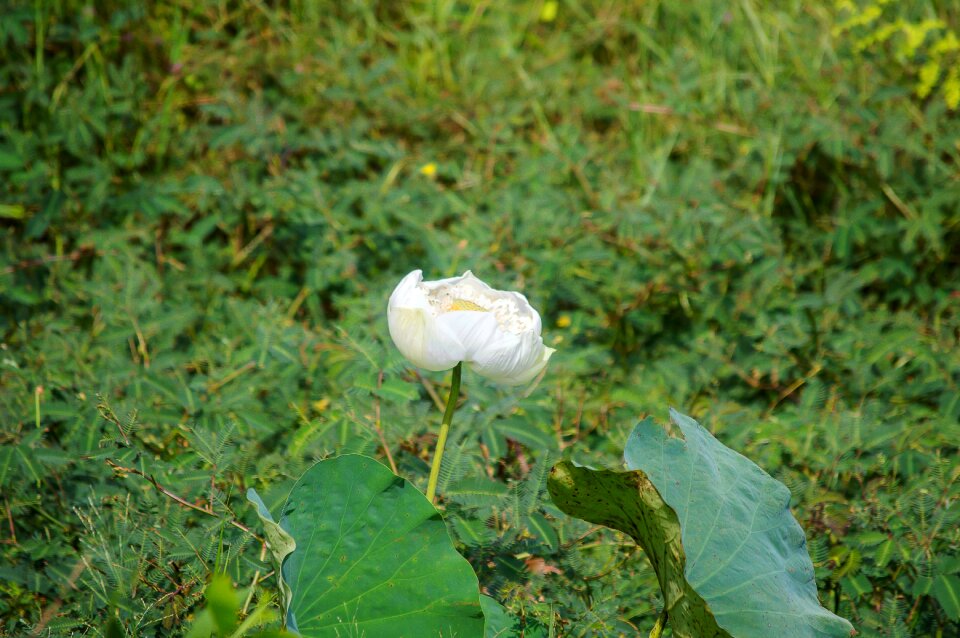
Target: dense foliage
{"type": "Point", "coordinates": [732, 208]}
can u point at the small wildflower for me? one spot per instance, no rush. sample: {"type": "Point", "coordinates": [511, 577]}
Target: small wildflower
{"type": "Point", "coordinates": [549, 11]}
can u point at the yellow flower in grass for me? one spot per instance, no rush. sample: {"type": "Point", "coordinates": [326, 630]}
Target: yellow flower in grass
{"type": "Point", "coordinates": [549, 11]}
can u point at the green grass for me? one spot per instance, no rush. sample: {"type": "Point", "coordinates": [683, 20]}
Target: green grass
{"type": "Point", "coordinates": [722, 207]}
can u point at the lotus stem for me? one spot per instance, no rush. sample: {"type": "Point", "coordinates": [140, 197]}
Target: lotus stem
{"type": "Point", "coordinates": [444, 431]}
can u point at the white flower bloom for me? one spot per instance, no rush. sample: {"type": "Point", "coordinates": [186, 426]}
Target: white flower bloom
{"type": "Point", "coordinates": [436, 324]}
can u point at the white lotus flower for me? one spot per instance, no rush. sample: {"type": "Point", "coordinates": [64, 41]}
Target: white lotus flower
{"type": "Point", "coordinates": [436, 324]}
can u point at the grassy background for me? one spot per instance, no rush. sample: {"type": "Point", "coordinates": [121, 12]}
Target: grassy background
{"type": "Point", "coordinates": [727, 207]}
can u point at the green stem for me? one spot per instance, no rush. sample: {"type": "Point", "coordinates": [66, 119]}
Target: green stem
{"type": "Point", "coordinates": [444, 431]}
{"type": "Point", "coordinates": [38, 21]}
{"type": "Point", "coordinates": [36, 403]}
{"type": "Point", "coordinates": [658, 626]}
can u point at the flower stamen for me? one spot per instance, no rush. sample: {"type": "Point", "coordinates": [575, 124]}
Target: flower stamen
{"type": "Point", "coordinates": [464, 304]}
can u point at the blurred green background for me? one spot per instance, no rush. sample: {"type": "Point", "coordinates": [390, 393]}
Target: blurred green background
{"type": "Point", "coordinates": [746, 210]}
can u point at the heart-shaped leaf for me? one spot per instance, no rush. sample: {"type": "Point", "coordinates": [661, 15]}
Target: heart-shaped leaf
{"type": "Point", "coordinates": [373, 558]}
{"type": "Point", "coordinates": [730, 558]}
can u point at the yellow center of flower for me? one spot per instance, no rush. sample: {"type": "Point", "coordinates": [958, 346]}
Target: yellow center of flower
{"type": "Point", "coordinates": [463, 304]}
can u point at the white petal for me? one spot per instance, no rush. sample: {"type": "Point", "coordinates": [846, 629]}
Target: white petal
{"type": "Point", "coordinates": [474, 330]}
{"type": "Point", "coordinates": [415, 331]}
{"type": "Point", "coordinates": [422, 340]}
{"type": "Point", "coordinates": [408, 293]}
{"type": "Point", "coordinates": [512, 361]}
{"type": "Point", "coordinates": [525, 375]}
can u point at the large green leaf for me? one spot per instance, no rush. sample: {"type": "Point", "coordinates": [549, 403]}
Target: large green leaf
{"type": "Point", "coordinates": [373, 558]}
{"type": "Point", "coordinates": [729, 556]}
{"type": "Point", "coordinates": [628, 501]}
